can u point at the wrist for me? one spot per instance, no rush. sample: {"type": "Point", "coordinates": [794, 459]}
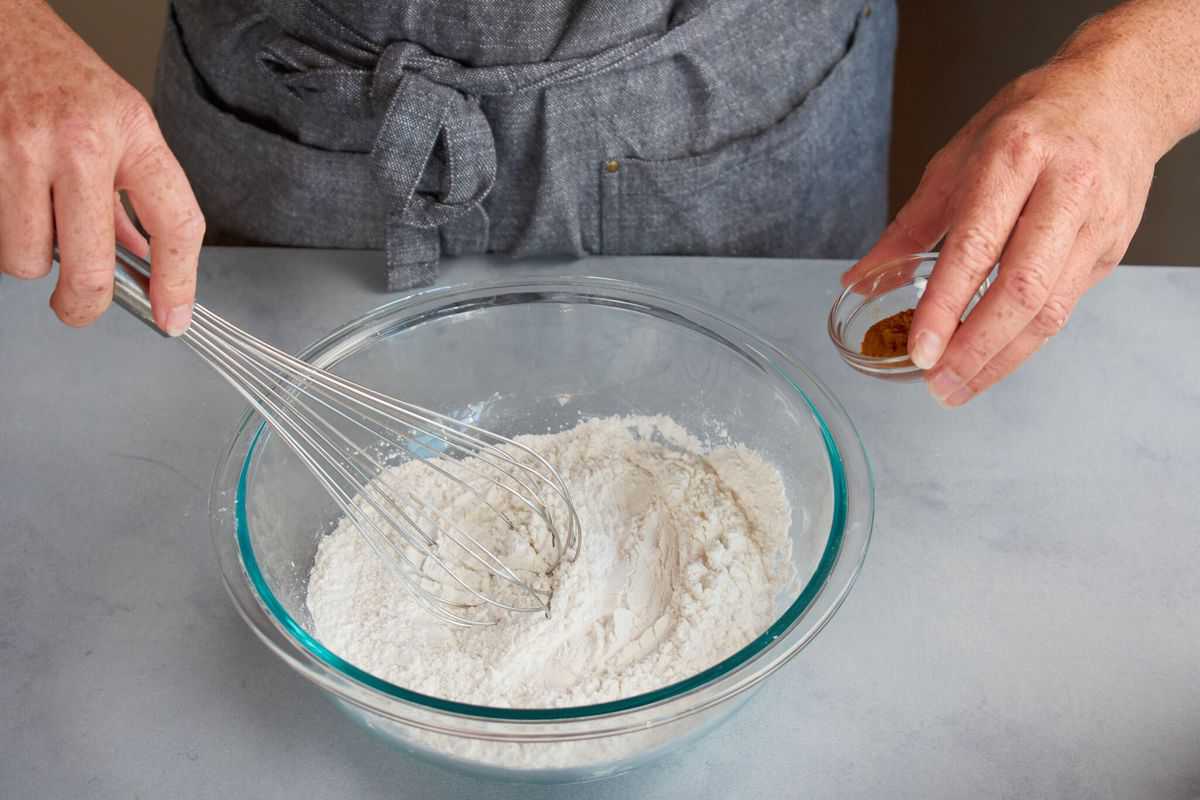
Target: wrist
{"type": "Point", "coordinates": [30, 24]}
{"type": "Point", "coordinates": [1145, 57]}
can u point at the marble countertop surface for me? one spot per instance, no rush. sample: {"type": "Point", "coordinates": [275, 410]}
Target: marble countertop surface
{"type": "Point", "coordinates": [1027, 623]}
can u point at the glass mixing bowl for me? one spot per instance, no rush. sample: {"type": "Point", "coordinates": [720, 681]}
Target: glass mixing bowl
{"type": "Point", "coordinates": [533, 355]}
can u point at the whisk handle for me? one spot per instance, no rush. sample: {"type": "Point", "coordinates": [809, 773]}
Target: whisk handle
{"type": "Point", "coordinates": [131, 286]}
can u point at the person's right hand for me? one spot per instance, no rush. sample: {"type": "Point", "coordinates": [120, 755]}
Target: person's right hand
{"type": "Point", "coordinates": [72, 135]}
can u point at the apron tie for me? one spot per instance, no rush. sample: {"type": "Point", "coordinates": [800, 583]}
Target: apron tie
{"type": "Point", "coordinates": [422, 103]}
{"type": "Point", "coordinates": [416, 115]}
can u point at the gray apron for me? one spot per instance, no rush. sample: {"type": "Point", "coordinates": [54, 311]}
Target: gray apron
{"type": "Point", "coordinates": [532, 127]}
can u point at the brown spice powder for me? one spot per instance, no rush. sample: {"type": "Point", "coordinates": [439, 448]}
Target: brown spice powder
{"type": "Point", "coordinates": [888, 338]}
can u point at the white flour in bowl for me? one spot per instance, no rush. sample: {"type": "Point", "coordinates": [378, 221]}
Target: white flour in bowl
{"type": "Point", "coordinates": [684, 554]}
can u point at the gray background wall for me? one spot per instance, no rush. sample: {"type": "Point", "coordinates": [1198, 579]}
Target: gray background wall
{"type": "Point", "coordinates": [954, 54]}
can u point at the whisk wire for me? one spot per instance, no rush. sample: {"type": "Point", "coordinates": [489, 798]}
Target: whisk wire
{"type": "Point", "coordinates": [285, 390]}
{"type": "Point", "coordinates": [477, 551]}
{"type": "Point", "coordinates": [367, 528]}
{"type": "Point", "coordinates": [471, 447]}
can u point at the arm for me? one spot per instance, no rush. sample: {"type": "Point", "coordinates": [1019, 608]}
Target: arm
{"type": "Point", "coordinates": [1155, 45]}
{"type": "Point", "coordinates": [1050, 179]}
{"type": "Point", "coordinates": [72, 135]}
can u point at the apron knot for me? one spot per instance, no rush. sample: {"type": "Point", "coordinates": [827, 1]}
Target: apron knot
{"type": "Point", "coordinates": [421, 109]}
{"type": "Point", "coordinates": [419, 115]}
{"type": "Point", "coordinates": [421, 122]}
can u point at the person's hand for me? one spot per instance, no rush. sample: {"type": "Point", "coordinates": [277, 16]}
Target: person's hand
{"type": "Point", "coordinates": [1050, 180]}
{"type": "Point", "coordinates": [72, 135]}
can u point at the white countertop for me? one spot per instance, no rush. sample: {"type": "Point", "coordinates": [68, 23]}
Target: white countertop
{"type": "Point", "coordinates": [1027, 623]}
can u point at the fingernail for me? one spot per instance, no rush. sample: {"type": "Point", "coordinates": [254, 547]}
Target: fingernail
{"type": "Point", "coordinates": [178, 319]}
{"type": "Point", "coordinates": [944, 384]}
{"type": "Point", "coordinates": [958, 398]}
{"type": "Point", "coordinates": [927, 348]}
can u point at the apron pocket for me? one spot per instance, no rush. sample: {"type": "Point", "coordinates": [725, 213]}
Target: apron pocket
{"type": "Point", "coordinates": [813, 184]}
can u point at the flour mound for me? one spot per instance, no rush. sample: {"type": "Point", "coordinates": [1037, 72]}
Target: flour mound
{"type": "Point", "coordinates": [684, 554]}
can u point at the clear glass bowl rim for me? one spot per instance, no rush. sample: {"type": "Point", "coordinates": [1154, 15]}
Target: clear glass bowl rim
{"type": "Point", "coordinates": [837, 570]}
{"type": "Point", "coordinates": [855, 354]}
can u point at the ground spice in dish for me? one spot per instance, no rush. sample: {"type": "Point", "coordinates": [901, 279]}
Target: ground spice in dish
{"type": "Point", "coordinates": [888, 338]}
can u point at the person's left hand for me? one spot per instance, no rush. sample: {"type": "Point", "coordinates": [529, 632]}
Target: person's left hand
{"type": "Point", "coordinates": [1050, 180]}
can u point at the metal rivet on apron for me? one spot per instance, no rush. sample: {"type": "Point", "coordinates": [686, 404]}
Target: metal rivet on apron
{"type": "Point", "coordinates": [612, 166]}
{"type": "Point", "coordinates": [867, 10]}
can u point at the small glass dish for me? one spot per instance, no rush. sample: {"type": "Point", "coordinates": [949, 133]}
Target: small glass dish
{"type": "Point", "coordinates": [888, 289]}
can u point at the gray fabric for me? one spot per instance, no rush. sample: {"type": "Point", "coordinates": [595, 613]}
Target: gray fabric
{"type": "Point", "coordinates": [751, 127]}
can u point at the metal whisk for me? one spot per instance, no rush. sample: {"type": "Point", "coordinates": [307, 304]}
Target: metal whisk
{"type": "Point", "coordinates": [346, 435]}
